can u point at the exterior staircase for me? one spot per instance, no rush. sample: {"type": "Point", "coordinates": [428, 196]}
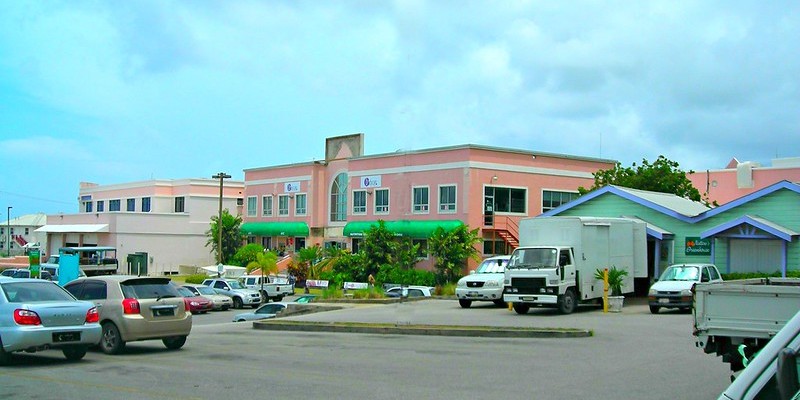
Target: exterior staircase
{"type": "Point", "coordinates": [21, 240]}
{"type": "Point", "coordinates": [506, 228]}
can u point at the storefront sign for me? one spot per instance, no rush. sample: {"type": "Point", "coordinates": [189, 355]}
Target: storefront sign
{"type": "Point", "coordinates": [33, 261]}
{"type": "Point", "coordinates": [291, 187]}
{"type": "Point", "coordinates": [371, 181]}
{"type": "Point", "coordinates": [697, 247]}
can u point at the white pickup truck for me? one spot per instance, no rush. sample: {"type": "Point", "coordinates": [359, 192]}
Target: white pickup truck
{"type": "Point", "coordinates": [271, 287]}
{"type": "Point", "coordinates": [747, 312]}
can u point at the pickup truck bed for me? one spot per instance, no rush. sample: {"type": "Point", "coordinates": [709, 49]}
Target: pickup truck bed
{"type": "Point", "coordinates": [750, 311]}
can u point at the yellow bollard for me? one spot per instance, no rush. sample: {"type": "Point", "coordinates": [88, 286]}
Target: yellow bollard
{"type": "Point", "coordinates": [605, 290]}
{"type": "Point", "coordinates": [510, 306]}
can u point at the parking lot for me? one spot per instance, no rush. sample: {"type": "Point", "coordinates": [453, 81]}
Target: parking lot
{"type": "Point", "coordinates": [632, 355]}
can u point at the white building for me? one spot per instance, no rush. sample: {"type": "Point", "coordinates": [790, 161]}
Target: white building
{"type": "Point", "coordinates": [21, 233]}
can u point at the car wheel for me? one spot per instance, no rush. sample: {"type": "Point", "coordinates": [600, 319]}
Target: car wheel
{"type": "Point", "coordinates": [174, 342]}
{"type": "Point", "coordinates": [111, 342]}
{"type": "Point", "coordinates": [521, 308]}
{"type": "Point", "coordinates": [654, 309]}
{"type": "Point", "coordinates": [500, 303]}
{"type": "Point", "coordinates": [568, 302]}
{"type": "Point", "coordinates": [5, 358]}
{"type": "Point", "coordinates": [279, 298]}
{"type": "Point", "coordinates": [464, 303]}
{"type": "Point", "coordinates": [74, 353]}
{"type": "Point", "coordinates": [237, 303]}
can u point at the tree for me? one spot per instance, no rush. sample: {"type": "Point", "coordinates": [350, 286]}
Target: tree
{"type": "Point", "coordinates": [452, 250]}
{"type": "Point", "coordinates": [247, 254]}
{"type": "Point", "coordinates": [266, 262]}
{"type": "Point", "coordinates": [232, 237]}
{"type": "Point", "coordinates": [663, 175]}
{"type": "Point", "coordinates": [378, 247]}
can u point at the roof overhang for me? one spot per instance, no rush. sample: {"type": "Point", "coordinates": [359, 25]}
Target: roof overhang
{"type": "Point", "coordinates": [275, 228]}
{"type": "Point", "coordinates": [404, 228]}
{"type": "Point", "coordinates": [655, 231]}
{"type": "Point", "coordinates": [74, 228]}
{"type": "Point", "coordinates": [743, 227]}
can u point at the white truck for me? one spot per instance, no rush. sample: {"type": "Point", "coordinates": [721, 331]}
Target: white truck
{"type": "Point", "coordinates": [271, 287]}
{"type": "Point", "coordinates": [736, 319]}
{"type": "Point", "coordinates": [558, 256]}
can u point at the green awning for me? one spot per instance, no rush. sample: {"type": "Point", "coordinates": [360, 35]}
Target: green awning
{"type": "Point", "coordinates": [275, 228]}
{"type": "Point", "coordinates": [412, 229]}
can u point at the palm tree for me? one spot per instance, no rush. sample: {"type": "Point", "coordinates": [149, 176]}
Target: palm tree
{"type": "Point", "coordinates": [267, 263]}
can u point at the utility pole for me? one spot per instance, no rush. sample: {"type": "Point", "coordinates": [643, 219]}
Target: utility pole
{"type": "Point", "coordinates": [8, 231]}
{"type": "Point", "coordinates": [221, 176]}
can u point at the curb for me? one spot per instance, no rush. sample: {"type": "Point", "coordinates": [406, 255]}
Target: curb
{"type": "Point", "coordinates": [430, 330]}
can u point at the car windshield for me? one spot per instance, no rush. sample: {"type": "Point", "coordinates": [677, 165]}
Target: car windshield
{"type": "Point", "coordinates": [680, 273]}
{"type": "Point", "coordinates": [533, 258]}
{"type": "Point", "coordinates": [205, 290]}
{"type": "Point", "coordinates": [148, 288]}
{"type": "Point", "coordinates": [492, 266]}
{"type": "Point", "coordinates": [235, 285]}
{"type": "Point", "coordinates": [35, 291]}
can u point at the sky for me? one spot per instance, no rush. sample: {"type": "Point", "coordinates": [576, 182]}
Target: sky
{"type": "Point", "coordinates": [113, 92]}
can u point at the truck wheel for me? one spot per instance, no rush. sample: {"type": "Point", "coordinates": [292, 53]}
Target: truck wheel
{"type": "Point", "coordinates": [74, 353]}
{"type": "Point", "coordinates": [237, 303]}
{"type": "Point", "coordinates": [254, 305]}
{"type": "Point", "coordinates": [111, 341]}
{"type": "Point", "coordinates": [654, 309]}
{"type": "Point", "coordinates": [521, 308]}
{"type": "Point", "coordinates": [568, 302]}
{"type": "Point", "coordinates": [465, 303]}
{"type": "Point", "coordinates": [174, 342]}
{"type": "Point", "coordinates": [279, 298]}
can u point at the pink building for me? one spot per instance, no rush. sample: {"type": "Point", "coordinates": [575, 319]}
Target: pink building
{"type": "Point", "coordinates": [167, 219]}
{"type": "Point", "coordinates": [738, 179]}
{"type": "Point", "coordinates": [333, 201]}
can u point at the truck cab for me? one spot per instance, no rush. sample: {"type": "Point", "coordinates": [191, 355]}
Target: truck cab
{"type": "Point", "coordinates": [542, 276]}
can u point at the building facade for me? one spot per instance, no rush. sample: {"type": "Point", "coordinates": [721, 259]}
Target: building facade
{"type": "Point", "coordinates": [335, 200]}
{"type": "Point", "coordinates": [166, 219]}
{"type": "Point", "coordinates": [18, 234]}
{"type": "Point", "coordinates": [739, 179]}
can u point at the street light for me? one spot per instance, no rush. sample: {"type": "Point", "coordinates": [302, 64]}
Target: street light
{"type": "Point", "coordinates": [8, 230]}
{"type": "Point", "coordinates": [221, 176]}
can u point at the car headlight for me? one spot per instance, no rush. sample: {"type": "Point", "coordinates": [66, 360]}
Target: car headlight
{"type": "Point", "coordinates": [652, 292]}
{"type": "Point", "coordinates": [686, 292]}
{"type": "Point", "coordinates": [492, 284]}
{"type": "Point", "coordinates": [461, 283]}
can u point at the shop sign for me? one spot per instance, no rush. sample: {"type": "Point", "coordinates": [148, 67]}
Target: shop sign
{"type": "Point", "coordinates": [698, 247]}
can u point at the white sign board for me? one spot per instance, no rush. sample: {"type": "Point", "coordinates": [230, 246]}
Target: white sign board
{"type": "Point", "coordinates": [291, 187]}
{"type": "Point", "coordinates": [371, 181]}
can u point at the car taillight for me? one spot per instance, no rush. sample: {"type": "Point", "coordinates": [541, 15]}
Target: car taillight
{"type": "Point", "coordinates": [26, 317]}
{"type": "Point", "coordinates": [92, 316]}
{"type": "Point", "coordinates": [130, 306]}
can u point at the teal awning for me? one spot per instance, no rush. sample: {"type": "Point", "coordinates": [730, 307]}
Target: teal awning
{"type": "Point", "coordinates": [412, 229]}
{"type": "Point", "coordinates": [275, 228]}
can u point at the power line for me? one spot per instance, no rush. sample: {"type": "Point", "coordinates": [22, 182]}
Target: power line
{"type": "Point", "coordinates": [35, 198]}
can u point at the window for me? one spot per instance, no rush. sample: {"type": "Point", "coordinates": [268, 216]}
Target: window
{"type": "Point", "coordinates": [87, 206]}
{"type": "Point", "coordinates": [552, 199]}
{"type": "Point", "coordinates": [356, 245]}
{"type": "Point", "coordinates": [339, 198]}
{"type": "Point", "coordinates": [131, 205]}
{"type": "Point", "coordinates": [420, 199]}
{"type": "Point", "coordinates": [252, 206]}
{"type": "Point", "coordinates": [266, 206]}
{"type": "Point", "coordinates": [507, 199]}
{"type": "Point", "coordinates": [359, 202]}
{"type": "Point", "coordinates": [101, 205]}
{"type": "Point", "coordinates": [381, 201]}
{"type": "Point", "coordinates": [180, 204]}
{"type": "Point", "coordinates": [27, 231]}
{"type": "Point", "coordinates": [240, 201]}
{"type": "Point", "coordinates": [145, 204]}
{"type": "Point", "coordinates": [447, 199]}
{"type": "Point", "coordinates": [494, 247]}
{"type": "Point", "coordinates": [300, 204]}
{"type": "Point", "coordinates": [283, 205]}
{"type": "Point", "coordinates": [113, 205]}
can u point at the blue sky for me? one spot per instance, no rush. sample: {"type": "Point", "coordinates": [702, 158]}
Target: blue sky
{"type": "Point", "coordinates": [112, 92]}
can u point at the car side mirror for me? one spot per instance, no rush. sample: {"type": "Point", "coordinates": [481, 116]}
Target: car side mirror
{"type": "Point", "coordinates": [786, 374]}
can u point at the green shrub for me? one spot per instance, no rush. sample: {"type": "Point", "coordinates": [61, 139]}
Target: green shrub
{"type": "Point", "coordinates": [196, 278]}
{"type": "Point", "coordinates": [393, 274]}
{"type": "Point", "coordinates": [750, 275]}
{"type": "Point", "coordinates": [331, 292]}
{"type": "Point", "coordinates": [370, 293]}
{"type": "Point", "coordinates": [448, 289]}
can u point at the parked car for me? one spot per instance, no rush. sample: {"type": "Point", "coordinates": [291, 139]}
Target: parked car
{"type": "Point", "coordinates": [674, 288]}
{"type": "Point", "coordinates": [409, 291]}
{"type": "Point", "coordinates": [306, 298]}
{"type": "Point", "coordinates": [53, 271]}
{"type": "Point", "coordinates": [232, 288]}
{"type": "Point", "coordinates": [218, 301]}
{"type": "Point", "coordinates": [194, 303]}
{"type": "Point", "coordinates": [37, 314]}
{"type": "Point", "coordinates": [135, 308]}
{"type": "Point", "coordinates": [485, 283]}
{"type": "Point", "coordinates": [25, 273]}
{"type": "Point", "coordinates": [268, 310]}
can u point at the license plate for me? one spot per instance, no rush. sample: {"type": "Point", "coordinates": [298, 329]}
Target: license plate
{"type": "Point", "coordinates": [61, 337]}
{"type": "Point", "coordinates": [528, 298]}
{"type": "Point", "coordinates": [663, 300]}
{"type": "Point", "coordinates": [472, 294]}
{"type": "Point", "coordinates": [163, 312]}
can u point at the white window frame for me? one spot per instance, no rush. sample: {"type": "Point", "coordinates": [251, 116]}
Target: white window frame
{"type": "Point", "coordinates": [252, 206]}
{"type": "Point", "coordinates": [111, 204]}
{"type": "Point", "coordinates": [281, 211]}
{"type": "Point", "coordinates": [375, 202]}
{"type": "Point", "coordinates": [423, 208]}
{"type": "Point", "coordinates": [149, 204]}
{"type": "Point", "coordinates": [128, 203]}
{"type": "Point", "coordinates": [363, 208]}
{"type": "Point", "coordinates": [266, 201]}
{"type": "Point", "coordinates": [560, 191]}
{"type": "Point", "coordinates": [297, 210]}
{"type": "Point", "coordinates": [455, 199]}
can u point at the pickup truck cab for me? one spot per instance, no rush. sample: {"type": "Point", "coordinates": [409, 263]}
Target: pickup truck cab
{"type": "Point", "coordinates": [271, 287]}
{"type": "Point", "coordinates": [674, 288]}
{"type": "Point", "coordinates": [232, 288]}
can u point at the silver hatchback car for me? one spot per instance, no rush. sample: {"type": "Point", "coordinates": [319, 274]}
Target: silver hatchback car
{"type": "Point", "coordinates": [135, 308]}
{"type": "Point", "coordinates": [37, 314]}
